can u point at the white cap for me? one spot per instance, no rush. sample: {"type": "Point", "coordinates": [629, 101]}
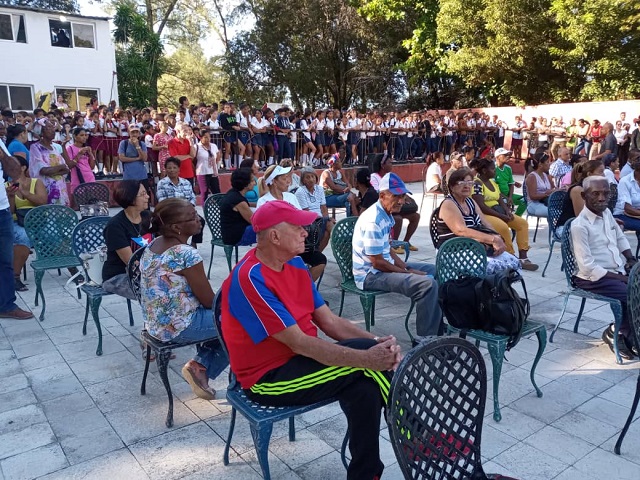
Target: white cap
{"type": "Point", "coordinates": [276, 173]}
{"type": "Point", "coordinates": [502, 151]}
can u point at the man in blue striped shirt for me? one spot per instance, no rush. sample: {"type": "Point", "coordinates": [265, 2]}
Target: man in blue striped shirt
{"type": "Point", "coordinates": [377, 267]}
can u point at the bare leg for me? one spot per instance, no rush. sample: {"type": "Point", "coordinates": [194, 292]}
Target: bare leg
{"type": "Point", "coordinates": [414, 220]}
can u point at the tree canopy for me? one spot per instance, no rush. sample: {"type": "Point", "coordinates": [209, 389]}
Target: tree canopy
{"type": "Point", "coordinates": [70, 6]}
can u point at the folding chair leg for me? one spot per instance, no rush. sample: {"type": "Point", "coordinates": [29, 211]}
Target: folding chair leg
{"type": "Point", "coordinates": [95, 312]}
{"type": "Point", "coordinates": [228, 252]}
{"type": "Point", "coordinates": [130, 313]}
{"type": "Point", "coordinates": [292, 429]}
{"type": "Point", "coordinates": [535, 234]}
{"type": "Point", "coordinates": [367, 306]}
{"type": "Point", "coordinates": [564, 307]}
{"type": "Point", "coordinates": [548, 258]}
{"type": "Point", "coordinates": [210, 261]}
{"type": "Point", "coordinates": [143, 387]}
{"type": "Point", "coordinates": [542, 344]}
{"type": "Point", "coordinates": [39, 274]}
{"type": "Point", "coordinates": [232, 424]}
{"type": "Point", "coordinates": [261, 437]}
{"type": "Point", "coordinates": [496, 351]}
{"type": "Point", "coordinates": [575, 327]}
{"type": "Point", "coordinates": [617, 313]}
{"type": "Point", "coordinates": [86, 317]}
{"type": "Point", "coordinates": [634, 407]}
{"type": "Point", "coordinates": [341, 303]}
{"type": "Point", "coordinates": [343, 450]}
{"type": "Point", "coordinates": [406, 321]}
{"type": "Point", "coordinates": [163, 358]}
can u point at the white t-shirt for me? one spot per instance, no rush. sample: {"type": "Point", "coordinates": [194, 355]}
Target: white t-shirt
{"type": "Point", "coordinates": [434, 169]}
{"type": "Point", "coordinates": [286, 196]}
{"type": "Point", "coordinates": [206, 165]}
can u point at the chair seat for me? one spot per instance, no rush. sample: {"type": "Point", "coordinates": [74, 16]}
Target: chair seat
{"type": "Point", "coordinates": [158, 345]}
{"type": "Point", "coordinates": [594, 296]}
{"type": "Point", "coordinates": [528, 328]}
{"type": "Point", "coordinates": [94, 290]}
{"type": "Point", "coordinates": [257, 413]}
{"type": "Point", "coordinates": [57, 262]}
{"type": "Point", "coordinates": [350, 286]}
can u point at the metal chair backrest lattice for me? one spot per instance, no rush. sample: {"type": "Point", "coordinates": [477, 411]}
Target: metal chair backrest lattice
{"type": "Point", "coordinates": [613, 196]}
{"type": "Point", "coordinates": [212, 215]}
{"type": "Point", "coordinates": [88, 193]}
{"type": "Point", "coordinates": [312, 241]}
{"type": "Point", "coordinates": [634, 312]}
{"type": "Point", "coordinates": [433, 227]}
{"type": "Point", "coordinates": [88, 236]}
{"type": "Point", "coordinates": [50, 228]}
{"type": "Point", "coordinates": [568, 258]}
{"type": "Point", "coordinates": [341, 245]}
{"type": "Point", "coordinates": [460, 256]}
{"type": "Point", "coordinates": [133, 271]}
{"type": "Point", "coordinates": [556, 202]}
{"type": "Point", "coordinates": [436, 409]}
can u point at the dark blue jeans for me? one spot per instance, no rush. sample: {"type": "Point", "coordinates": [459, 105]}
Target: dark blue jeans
{"type": "Point", "coordinates": [613, 288]}
{"type": "Point", "coordinates": [7, 287]}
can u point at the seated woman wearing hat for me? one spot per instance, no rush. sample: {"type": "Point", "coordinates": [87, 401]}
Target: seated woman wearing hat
{"type": "Point", "coordinates": [336, 190]}
{"type": "Point", "coordinates": [311, 197]}
{"type": "Point", "coordinates": [277, 180]}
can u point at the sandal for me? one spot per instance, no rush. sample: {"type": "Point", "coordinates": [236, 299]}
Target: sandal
{"type": "Point", "coordinates": [201, 391]}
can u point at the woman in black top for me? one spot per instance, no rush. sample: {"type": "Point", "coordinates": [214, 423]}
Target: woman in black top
{"type": "Point", "coordinates": [235, 213]}
{"type": "Point", "coordinates": [124, 234]}
{"type": "Point", "coordinates": [367, 195]}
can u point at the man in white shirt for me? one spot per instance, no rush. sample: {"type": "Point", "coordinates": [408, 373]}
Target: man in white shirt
{"type": "Point", "coordinates": [8, 307]}
{"type": "Point", "coordinates": [603, 256]}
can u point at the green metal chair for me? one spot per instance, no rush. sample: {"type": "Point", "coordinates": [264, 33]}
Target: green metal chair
{"type": "Point", "coordinates": [88, 236]}
{"type": "Point", "coordinates": [49, 228]}
{"type": "Point", "coordinates": [556, 201]}
{"type": "Point", "coordinates": [464, 256]}
{"type": "Point", "coordinates": [342, 247]}
{"type": "Point", "coordinates": [570, 267]}
{"type": "Point", "coordinates": [212, 217]}
{"type": "Point", "coordinates": [634, 314]}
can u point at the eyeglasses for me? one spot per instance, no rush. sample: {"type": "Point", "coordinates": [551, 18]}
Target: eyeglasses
{"type": "Point", "coordinates": [465, 183]}
{"type": "Point", "coordinates": [143, 194]}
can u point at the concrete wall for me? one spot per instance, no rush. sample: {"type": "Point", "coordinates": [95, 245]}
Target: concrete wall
{"type": "Point", "coordinates": [44, 67]}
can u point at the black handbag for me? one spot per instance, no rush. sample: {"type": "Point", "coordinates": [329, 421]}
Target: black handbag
{"type": "Point", "coordinates": [486, 303]}
{"type": "Point", "coordinates": [20, 214]}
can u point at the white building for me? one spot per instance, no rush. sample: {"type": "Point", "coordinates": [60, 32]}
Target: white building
{"type": "Point", "coordinates": [45, 54]}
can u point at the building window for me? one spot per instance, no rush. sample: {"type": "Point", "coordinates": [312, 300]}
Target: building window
{"type": "Point", "coordinates": [12, 28]}
{"type": "Point", "coordinates": [16, 97]}
{"type": "Point", "coordinates": [77, 98]}
{"type": "Point", "coordinates": [71, 34]}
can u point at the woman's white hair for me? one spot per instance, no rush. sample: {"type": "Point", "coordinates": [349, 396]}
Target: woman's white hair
{"type": "Point", "coordinates": [587, 182]}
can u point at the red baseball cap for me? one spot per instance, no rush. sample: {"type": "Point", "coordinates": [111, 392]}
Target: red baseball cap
{"type": "Point", "coordinates": [278, 211]}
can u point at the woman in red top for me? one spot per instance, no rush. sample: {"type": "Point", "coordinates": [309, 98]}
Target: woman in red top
{"type": "Point", "coordinates": [596, 137]}
{"type": "Point", "coordinates": [180, 147]}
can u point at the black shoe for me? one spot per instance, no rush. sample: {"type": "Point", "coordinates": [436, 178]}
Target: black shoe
{"type": "Point", "coordinates": [631, 346]}
{"type": "Point", "coordinates": [624, 351]}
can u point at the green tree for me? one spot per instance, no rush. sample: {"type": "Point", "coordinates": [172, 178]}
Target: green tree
{"type": "Point", "coordinates": [70, 6]}
{"type": "Point", "coordinates": [187, 70]}
{"type": "Point", "coordinates": [323, 54]}
{"type": "Point", "coordinates": [138, 57]}
{"type": "Point", "coordinates": [602, 45]}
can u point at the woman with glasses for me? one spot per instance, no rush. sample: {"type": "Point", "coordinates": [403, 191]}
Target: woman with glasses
{"type": "Point", "coordinates": [176, 296]}
{"type": "Point", "coordinates": [125, 233]}
{"type": "Point", "coordinates": [460, 216]}
{"type": "Point", "coordinates": [173, 186]}
{"type": "Point", "coordinates": [82, 159]}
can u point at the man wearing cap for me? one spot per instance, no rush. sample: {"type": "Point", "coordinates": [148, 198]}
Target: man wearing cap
{"type": "Point", "coordinates": [505, 181]}
{"type": "Point", "coordinates": [133, 153]}
{"type": "Point", "coordinates": [377, 267]}
{"type": "Point", "coordinates": [271, 308]}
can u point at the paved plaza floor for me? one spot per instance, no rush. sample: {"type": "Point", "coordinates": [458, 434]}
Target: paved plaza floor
{"type": "Point", "coordinates": [67, 414]}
